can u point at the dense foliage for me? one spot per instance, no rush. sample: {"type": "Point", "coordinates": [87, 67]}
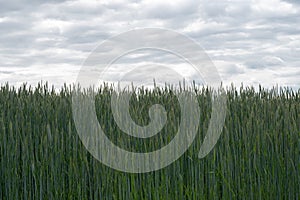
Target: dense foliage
{"type": "Point", "coordinates": [257, 156]}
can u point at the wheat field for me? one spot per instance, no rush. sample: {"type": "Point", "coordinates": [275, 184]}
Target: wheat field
{"type": "Point", "coordinates": [256, 157]}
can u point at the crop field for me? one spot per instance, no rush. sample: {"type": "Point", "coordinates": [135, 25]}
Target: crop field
{"type": "Point", "coordinates": [256, 157]}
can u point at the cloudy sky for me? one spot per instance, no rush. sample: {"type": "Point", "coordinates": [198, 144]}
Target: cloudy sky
{"type": "Point", "coordinates": [254, 42]}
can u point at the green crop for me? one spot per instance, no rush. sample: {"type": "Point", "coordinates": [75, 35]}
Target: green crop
{"type": "Point", "coordinates": [256, 157]}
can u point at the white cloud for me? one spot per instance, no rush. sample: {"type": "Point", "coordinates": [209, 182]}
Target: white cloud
{"type": "Point", "coordinates": [253, 42]}
{"type": "Point", "coordinates": [272, 8]}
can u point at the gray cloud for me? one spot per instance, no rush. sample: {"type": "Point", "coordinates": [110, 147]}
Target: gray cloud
{"type": "Point", "coordinates": [50, 39]}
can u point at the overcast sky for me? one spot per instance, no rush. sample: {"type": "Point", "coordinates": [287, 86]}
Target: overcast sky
{"type": "Point", "coordinates": [253, 42]}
